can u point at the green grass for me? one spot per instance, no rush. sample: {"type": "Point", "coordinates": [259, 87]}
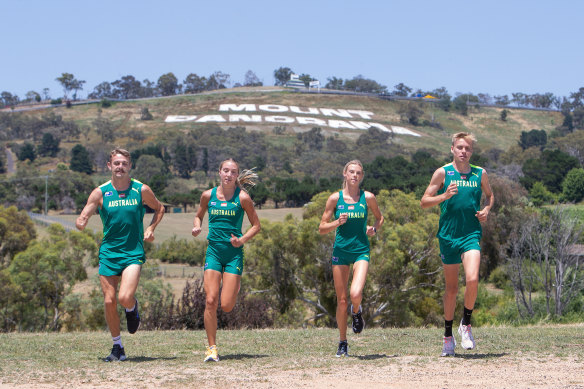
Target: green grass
{"type": "Point", "coordinates": [258, 357]}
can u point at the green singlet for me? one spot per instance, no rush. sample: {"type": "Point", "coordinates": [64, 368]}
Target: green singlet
{"type": "Point", "coordinates": [225, 218]}
{"type": "Point", "coordinates": [459, 229]}
{"type": "Point", "coordinates": [351, 241]}
{"type": "Point", "coordinates": [122, 216]}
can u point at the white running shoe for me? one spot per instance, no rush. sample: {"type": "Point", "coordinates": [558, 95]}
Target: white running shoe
{"type": "Point", "coordinates": [448, 344]}
{"type": "Point", "coordinates": [467, 340]}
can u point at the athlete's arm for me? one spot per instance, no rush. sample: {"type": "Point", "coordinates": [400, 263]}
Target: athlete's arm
{"type": "Point", "coordinates": [372, 204]}
{"type": "Point", "coordinates": [326, 225]}
{"type": "Point", "coordinates": [149, 198]}
{"type": "Point", "coordinates": [93, 203]}
{"type": "Point", "coordinates": [430, 199]}
{"type": "Point", "coordinates": [205, 197]}
{"type": "Point", "coordinates": [247, 205]}
{"type": "Point", "coordinates": [490, 198]}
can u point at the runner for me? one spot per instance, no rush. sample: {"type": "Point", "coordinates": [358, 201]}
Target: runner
{"type": "Point", "coordinates": [224, 259]}
{"type": "Point", "coordinates": [350, 207]}
{"type": "Point", "coordinates": [120, 203]}
{"type": "Point", "coordinates": [458, 187]}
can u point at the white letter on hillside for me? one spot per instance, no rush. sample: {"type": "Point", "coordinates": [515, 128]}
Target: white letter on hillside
{"type": "Point", "coordinates": [317, 122]}
{"type": "Point", "coordinates": [273, 108]}
{"type": "Point", "coordinates": [179, 118]}
{"type": "Point", "coordinates": [245, 118]}
{"type": "Point", "coordinates": [364, 114]}
{"type": "Point", "coordinates": [237, 108]}
{"type": "Point", "coordinates": [279, 119]}
{"type": "Point", "coordinates": [360, 125]}
{"type": "Point", "coordinates": [340, 124]}
{"type": "Point", "coordinates": [335, 112]}
{"type": "Point", "coordinates": [211, 118]}
{"type": "Point", "coordinates": [311, 111]}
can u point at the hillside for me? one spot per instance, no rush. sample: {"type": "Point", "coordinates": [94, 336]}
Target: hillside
{"type": "Point", "coordinates": [484, 122]}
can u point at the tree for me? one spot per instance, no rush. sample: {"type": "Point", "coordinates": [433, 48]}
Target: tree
{"type": "Point", "coordinates": [306, 78]}
{"type": "Point", "coordinates": [573, 185]}
{"type": "Point", "coordinates": [334, 83]}
{"type": "Point", "coordinates": [80, 161]}
{"type": "Point", "coordinates": [32, 96]}
{"type": "Point", "coordinates": [101, 91]}
{"type": "Point", "coordinates": [364, 85]}
{"type": "Point", "coordinates": [16, 232]}
{"type": "Point", "coordinates": [49, 146]}
{"type": "Point", "coordinates": [411, 112]}
{"type": "Point", "coordinates": [251, 79]}
{"type": "Point", "coordinates": [282, 75]}
{"type": "Point", "coordinates": [541, 256]}
{"type": "Point", "coordinates": [47, 271]}
{"type": "Point", "coordinates": [504, 114]}
{"type": "Point", "coordinates": [152, 171]}
{"type": "Point", "coordinates": [533, 138]}
{"type": "Point", "coordinates": [402, 90]}
{"type": "Point", "coordinates": [27, 151]}
{"type": "Point", "coordinates": [105, 128]}
{"type": "Point", "coordinates": [126, 88]}
{"type": "Point", "coordinates": [502, 100]}
{"type": "Point", "coordinates": [550, 169]}
{"type": "Point", "coordinates": [70, 83]}
{"type": "Point", "coordinates": [194, 83]}
{"type": "Point", "coordinates": [8, 99]}
{"type": "Point", "coordinates": [460, 102]}
{"type": "Point", "coordinates": [168, 84]}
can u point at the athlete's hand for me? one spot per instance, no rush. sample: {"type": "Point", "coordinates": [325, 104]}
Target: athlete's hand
{"type": "Point", "coordinates": [371, 231]}
{"type": "Point", "coordinates": [196, 231]}
{"type": "Point", "coordinates": [451, 190]}
{"type": "Point", "coordinates": [148, 235]}
{"type": "Point", "coordinates": [482, 215]}
{"type": "Point", "coordinates": [235, 241]}
{"type": "Point", "coordinates": [343, 218]}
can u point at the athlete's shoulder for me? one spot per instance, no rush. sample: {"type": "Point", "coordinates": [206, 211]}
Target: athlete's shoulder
{"type": "Point", "coordinates": [207, 194]}
{"type": "Point", "coordinates": [104, 184]}
{"type": "Point", "coordinates": [335, 196]}
{"type": "Point", "coordinates": [368, 195]}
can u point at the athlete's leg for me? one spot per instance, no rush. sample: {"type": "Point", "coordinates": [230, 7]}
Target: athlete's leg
{"type": "Point", "coordinates": [211, 283]}
{"type": "Point", "coordinates": [229, 291]}
{"type": "Point", "coordinates": [341, 278]}
{"type": "Point", "coordinates": [451, 281]}
{"type": "Point", "coordinates": [471, 260]}
{"type": "Point", "coordinates": [109, 284]}
{"type": "Point", "coordinates": [358, 283]}
{"type": "Point", "coordinates": [128, 286]}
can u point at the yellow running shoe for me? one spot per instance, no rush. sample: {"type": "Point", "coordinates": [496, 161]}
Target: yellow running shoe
{"type": "Point", "coordinates": [212, 354]}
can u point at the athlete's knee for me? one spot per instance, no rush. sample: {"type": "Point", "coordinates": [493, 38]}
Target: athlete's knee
{"type": "Point", "coordinates": [342, 301]}
{"type": "Point", "coordinates": [451, 290]}
{"type": "Point", "coordinates": [109, 299]}
{"type": "Point", "coordinates": [227, 306]}
{"type": "Point", "coordinates": [127, 300]}
{"type": "Point", "coordinates": [356, 295]}
{"type": "Point", "coordinates": [472, 281]}
{"type": "Point", "coordinates": [211, 302]}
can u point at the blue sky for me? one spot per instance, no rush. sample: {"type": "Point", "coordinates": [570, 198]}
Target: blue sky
{"type": "Point", "coordinates": [496, 47]}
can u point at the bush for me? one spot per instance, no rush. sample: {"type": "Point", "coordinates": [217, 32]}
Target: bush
{"type": "Point", "coordinates": [499, 278]}
{"type": "Point", "coordinates": [105, 103]}
{"type": "Point", "coordinates": [58, 101]}
{"type": "Point", "coordinates": [176, 250]}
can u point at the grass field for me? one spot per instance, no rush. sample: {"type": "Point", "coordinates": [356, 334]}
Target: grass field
{"type": "Point", "coordinates": [181, 224]}
{"type": "Point", "coordinates": [505, 357]}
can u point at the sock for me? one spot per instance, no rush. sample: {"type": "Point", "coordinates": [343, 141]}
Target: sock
{"type": "Point", "coordinates": [131, 309]}
{"type": "Point", "coordinates": [466, 316]}
{"type": "Point", "coordinates": [118, 340]}
{"type": "Point", "coordinates": [448, 328]}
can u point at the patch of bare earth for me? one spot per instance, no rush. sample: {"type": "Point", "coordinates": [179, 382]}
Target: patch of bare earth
{"type": "Point", "coordinates": [468, 370]}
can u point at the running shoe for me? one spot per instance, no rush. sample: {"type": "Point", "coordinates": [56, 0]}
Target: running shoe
{"type": "Point", "coordinates": [465, 333]}
{"type": "Point", "coordinates": [117, 354]}
{"type": "Point", "coordinates": [133, 319]}
{"type": "Point", "coordinates": [343, 350]}
{"type": "Point", "coordinates": [212, 354]}
{"type": "Point", "coordinates": [358, 322]}
{"type": "Point", "coordinates": [448, 346]}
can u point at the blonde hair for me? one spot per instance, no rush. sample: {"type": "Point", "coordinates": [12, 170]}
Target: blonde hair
{"type": "Point", "coordinates": [467, 136]}
{"type": "Point", "coordinates": [119, 150]}
{"type": "Point", "coordinates": [353, 162]}
{"type": "Point", "coordinates": [246, 179]}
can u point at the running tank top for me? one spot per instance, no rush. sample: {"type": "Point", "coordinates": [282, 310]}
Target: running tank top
{"type": "Point", "coordinates": [225, 217]}
{"type": "Point", "coordinates": [351, 237]}
{"type": "Point", "coordinates": [122, 215]}
{"type": "Point", "coordinates": [457, 214]}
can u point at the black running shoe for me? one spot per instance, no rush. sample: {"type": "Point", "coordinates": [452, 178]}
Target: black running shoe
{"type": "Point", "coordinates": [133, 319]}
{"type": "Point", "coordinates": [117, 354]}
{"type": "Point", "coordinates": [358, 322]}
{"type": "Point", "coordinates": [343, 350]}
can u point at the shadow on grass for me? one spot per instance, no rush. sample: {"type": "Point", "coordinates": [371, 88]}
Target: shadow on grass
{"type": "Point", "coordinates": [372, 357]}
{"type": "Point", "coordinates": [238, 357]}
{"type": "Point", "coordinates": [480, 356]}
{"type": "Point", "coordinates": [148, 359]}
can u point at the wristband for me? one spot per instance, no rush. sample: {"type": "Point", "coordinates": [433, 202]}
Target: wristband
{"type": "Point", "coordinates": [375, 230]}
